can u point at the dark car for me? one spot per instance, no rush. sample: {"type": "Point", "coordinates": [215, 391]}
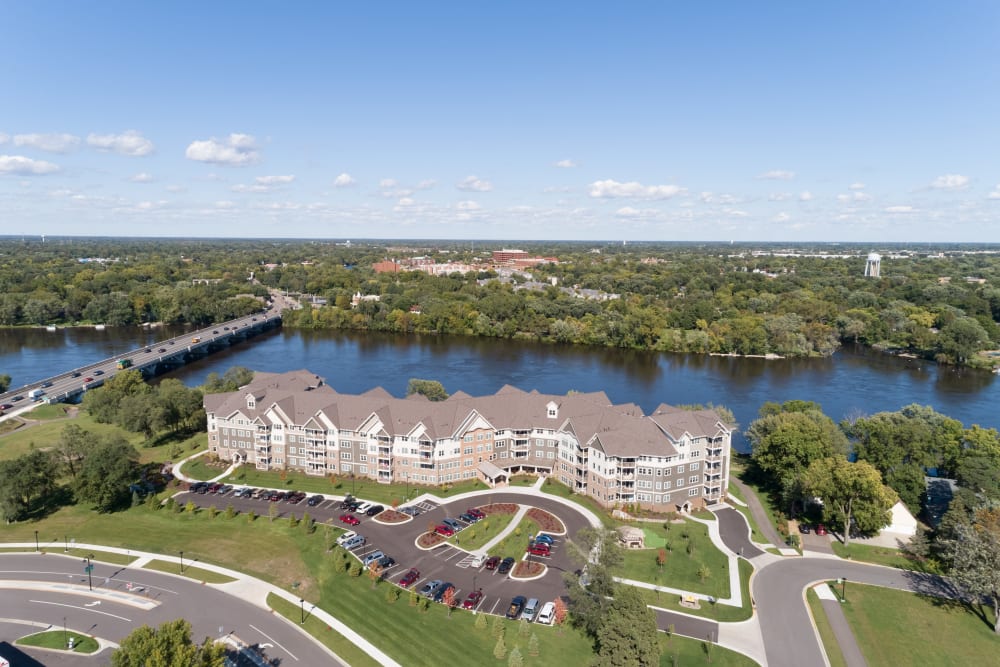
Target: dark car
{"type": "Point", "coordinates": [516, 607]}
{"type": "Point", "coordinates": [476, 512]}
{"type": "Point", "coordinates": [86, 379]}
{"type": "Point", "coordinates": [98, 372]}
{"type": "Point", "coordinates": [46, 385]}
{"type": "Point", "coordinates": [162, 349]}
{"type": "Point", "coordinates": [17, 398]}
{"type": "Point", "coordinates": [216, 331]}
{"type": "Point", "coordinates": [386, 562]}
{"type": "Point", "coordinates": [203, 489]}
{"type": "Point", "coordinates": [492, 562]}
{"type": "Point", "coordinates": [542, 538]}
{"type": "Point", "coordinates": [294, 498]}
{"type": "Point", "coordinates": [804, 528]}
{"type": "Point", "coordinates": [6, 406]}
{"type": "Point", "coordinates": [149, 349]}
{"type": "Point", "coordinates": [314, 500]}
{"type": "Point", "coordinates": [468, 518]}
{"type": "Point", "coordinates": [427, 590]}
{"type": "Point", "coordinates": [473, 600]}
{"type": "Point", "coordinates": [76, 374]}
{"type": "Point", "coordinates": [350, 505]}
{"type": "Point", "coordinates": [506, 565]}
{"type": "Point", "coordinates": [193, 488]}
{"type": "Point", "coordinates": [376, 509]}
{"type": "Point", "coordinates": [409, 578]}
{"type": "Point", "coordinates": [441, 590]}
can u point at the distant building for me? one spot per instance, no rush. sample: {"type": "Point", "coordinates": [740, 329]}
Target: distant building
{"type": "Point", "coordinates": [387, 266]}
{"type": "Point", "coordinates": [671, 460]}
{"type": "Point", "coordinates": [507, 256]}
{"type": "Point", "coordinates": [873, 266]}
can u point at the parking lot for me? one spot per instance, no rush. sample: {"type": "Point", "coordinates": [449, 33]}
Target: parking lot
{"type": "Point", "coordinates": [446, 562]}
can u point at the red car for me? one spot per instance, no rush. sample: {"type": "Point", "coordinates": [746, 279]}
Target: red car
{"type": "Point", "coordinates": [539, 549]}
{"type": "Point", "coordinates": [349, 519]}
{"type": "Point", "coordinates": [473, 600]}
{"type": "Point", "coordinates": [820, 529]}
{"type": "Point", "coordinates": [409, 578]}
{"type": "Point", "coordinates": [492, 562]}
{"type": "Point", "coordinates": [476, 512]}
{"type": "Point", "coordinates": [88, 379]}
{"type": "Point", "coordinates": [444, 530]}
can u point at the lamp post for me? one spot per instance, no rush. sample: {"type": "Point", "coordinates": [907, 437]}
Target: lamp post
{"type": "Point", "coordinates": [65, 633]}
{"type": "Point", "coordinates": [182, 562]}
{"type": "Point", "coordinates": [843, 589]}
{"type": "Point", "coordinates": [89, 568]}
{"type": "Point", "coordinates": [36, 540]}
{"type": "Point", "coordinates": [302, 611]}
{"type": "Point", "coordinates": [65, 543]}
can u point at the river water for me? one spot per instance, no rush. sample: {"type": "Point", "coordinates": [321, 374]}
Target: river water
{"type": "Point", "coordinates": [852, 382]}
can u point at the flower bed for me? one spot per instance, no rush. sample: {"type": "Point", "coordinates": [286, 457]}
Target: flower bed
{"type": "Point", "coordinates": [428, 540]}
{"type": "Point", "coordinates": [547, 522]}
{"type": "Point", "coordinates": [527, 570]}
{"type": "Point", "coordinates": [500, 508]}
{"type": "Point", "coordinates": [392, 516]}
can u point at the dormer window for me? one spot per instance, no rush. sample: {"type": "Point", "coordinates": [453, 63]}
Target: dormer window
{"type": "Point", "coordinates": [251, 402]}
{"type": "Point", "coordinates": [552, 409]}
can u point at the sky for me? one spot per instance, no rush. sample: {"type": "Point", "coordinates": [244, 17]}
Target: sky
{"type": "Point", "coordinates": [659, 121]}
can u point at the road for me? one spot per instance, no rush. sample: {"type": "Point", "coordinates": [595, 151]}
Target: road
{"type": "Point", "coordinates": [211, 612]}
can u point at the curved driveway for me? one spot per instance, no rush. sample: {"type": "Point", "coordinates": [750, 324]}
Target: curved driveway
{"type": "Point", "coordinates": [211, 612]}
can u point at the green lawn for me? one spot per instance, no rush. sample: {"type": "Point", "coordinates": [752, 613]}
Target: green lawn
{"type": "Point", "coordinates": [326, 635]}
{"type": "Point", "coordinates": [877, 555]}
{"type": "Point", "coordinates": [190, 571]}
{"type": "Point", "coordinates": [523, 480]}
{"type": "Point", "coordinates": [718, 612]}
{"type": "Point", "coordinates": [516, 542]}
{"type": "Point", "coordinates": [360, 488]}
{"type": "Point", "coordinates": [47, 411]}
{"type": "Point", "coordinates": [557, 488]}
{"type": "Point", "coordinates": [833, 652]}
{"type": "Point", "coordinates": [681, 569]}
{"type": "Point", "coordinates": [480, 533]}
{"type": "Point", "coordinates": [59, 639]}
{"type": "Point", "coordinates": [899, 628]}
{"type": "Point", "coordinates": [682, 651]}
{"type": "Point", "coordinates": [200, 470]}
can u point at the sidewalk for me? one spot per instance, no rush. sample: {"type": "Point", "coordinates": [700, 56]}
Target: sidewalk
{"type": "Point", "coordinates": [521, 511]}
{"type": "Point", "coordinates": [841, 630]}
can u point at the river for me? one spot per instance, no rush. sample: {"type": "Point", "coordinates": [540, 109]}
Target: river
{"type": "Point", "coordinates": [854, 381]}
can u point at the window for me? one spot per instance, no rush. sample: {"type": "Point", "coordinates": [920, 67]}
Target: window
{"type": "Point", "coordinates": [695, 454]}
{"type": "Point", "coordinates": [692, 492]}
{"type": "Point", "coordinates": [666, 484]}
{"type": "Point", "coordinates": [551, 455]}
{"type": "Point", "coordinates": [667, 472]}
{"type": "Point", "coordinates": [291, 450]}
{"type": "Point", "coordinates": [693, 466]}
{"type": "Point", "coordinates": [346, 456]}
{"type": "Point", "coordinates": [468, 450]}
{"type": "Point", "coordinates": [666, 497]}
{"type": "Point", "coordinates": [680, 470]}
{"type": "Point", "coordinates": [693, 479]}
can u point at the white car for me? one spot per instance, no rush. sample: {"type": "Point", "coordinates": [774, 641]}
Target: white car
{"type": "Point", "coordinates": [346, 537]}
{"type": "Point", "coordinates": [547, 614]}
{"type": "Point", "coordinates": [364, 507]}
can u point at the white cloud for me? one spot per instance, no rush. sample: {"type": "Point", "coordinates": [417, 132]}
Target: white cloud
{"type": "Point", "coordinates": [224, 204]}
{"type": "Point", "coordinates": [142, 177]}
{"type": "Point", "coordinates": [628, 212]}
{"type": "Point", "coordinates": [776, 175]}
{"type": "Point", "coordinates": [705, 197]}
{"type": "Point", "coordinates": [468, 206]}
{"type": "Point", "coordinates": [426, 184]}
{"type": "Point", "coordinates": [553, 188]}
{"type": "Point", "coordinates": [388, 183]}
{"type": "Point", "coordinates": [474, 184]}
{"type": "Point", "coordinates": [344, 180]}
{"type": "Point", "coordinates": [237, 150]}
{"type": "Point", "coordinates": [781, 217]}
{"type": "Point", "coordinates": [779, 196]}
{"type": "Point", "coordinates": [4, 138]}
{"type": "Point", "coordinates": [130, 143]}
{"type": "Point", "coordinates": [805, 195]}
{"type": "Point", "coordinates": [610, 188]}
{"type": "Point", "coordinates": [856, 186]}
{"type": "Point", "coordinates": [176, 188]}
{"type": "Point", "coordinates": [950, 182]}
{"type": "Point", "coordinates": [898, 210]}
{"type": "Point", "coordinates": [403, 204]}
{"type": "Point", "coordinates": [18, 164]}
{"type": "Point", "coordinates": [264, 184]}
{"type": "Point", "coordinates": [565, 164]}
{"type": "Point", "coordinates": [50, 143]}
{"type": "Point", "coordinates": [995, 194]}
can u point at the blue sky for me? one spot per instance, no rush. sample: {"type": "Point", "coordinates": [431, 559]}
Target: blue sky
{"type": "Point", "coordinates": [665, 121]}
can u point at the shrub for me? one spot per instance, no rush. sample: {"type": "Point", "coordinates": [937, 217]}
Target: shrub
{"type": "Point", "coordinates": [230, 511]}
{"type": "Point", "coordinates": [190, 508]}
{"type": "Point", "coordinates": [251, 516]}
{"type": "Point", "coordinates": [480, 621]}
{"type": "Point", "coordinates": [212, 512]}
{"type": "Point", "coordinates": [533, 646]}
{"type": "Point", "coordinates": [292, 521]}
{"type": "Point", "coordinates": [515, 659]}
{"type": "Point", "coordinates": [391, 594]}
{"type": "Point", "coordinates": [500, 648]}
{"type": "Point", "coordinates": [357, 569]}
{"type": "Point", "coordinates": [414, 598]}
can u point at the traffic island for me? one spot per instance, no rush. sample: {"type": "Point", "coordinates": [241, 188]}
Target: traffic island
{"type": "Point", "coordinates": [61, 640]}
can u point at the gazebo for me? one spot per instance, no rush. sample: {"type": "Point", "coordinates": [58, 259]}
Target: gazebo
{"type": "Point", "coordinates": [631, 537]}
{"type": "Point", "coordinates": [493, 475]}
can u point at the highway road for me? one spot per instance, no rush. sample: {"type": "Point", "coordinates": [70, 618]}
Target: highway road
{"type": "Point", "coordinates": [211, 612]}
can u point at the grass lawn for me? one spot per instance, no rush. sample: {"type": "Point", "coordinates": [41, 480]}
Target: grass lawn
{"type": "Point", "coordinates": [878, 555]}
{"type": "Point", "coordinates": [47, 411]}
{"type": "Point", "coordinates": [480, 533]}
{"type": "Point", "coordinates": [717, 612]}
{"type": "Point", "coordinates": [523, 480]}
{"type": "Point", "coordinates": [685, 555]}
{"type": "Point", "coordinates": [557, 488]}
{"type": "Point", "coordinates": [516, 542]}
{"type": "Point", "coordinates": [198, 469]}
{"type": "Point", "coordinates": [899, 628]}
{"type": "Point", "coordinates": [326, 635]}
{"type": "Point", "coordinates": [830, 644]}
{"type": "Point", "coordinates": [360, 488]}
{"type": "Point", "coordinates": [190, 571]}
{"type": "Point", "coordinates": [59, 639]}
{"type": "Point", "coordinates": [679, 651]}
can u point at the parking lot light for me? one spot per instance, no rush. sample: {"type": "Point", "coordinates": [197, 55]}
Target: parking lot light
{"type": "Point", "coordinates": [302, 611]}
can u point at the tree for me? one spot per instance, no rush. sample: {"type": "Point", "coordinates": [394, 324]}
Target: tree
{"type": "Point", "coordinates": [4, 382]}
{"type": "Point", "coordinates": [853, 494]}
{"type": "Point", "coordinates": [72, 447]}
{"type": "Point", "coordinates": [975, 558]}
{"type": "Point", "coordinates": [26, 482]}
{"type": "Point", "coordinates": [169, 645]}
{"type": "Point", "coordinates": [661, 558]}
{"type": "Point", "coordinates": [962, 338]}
{"type": "Point", "coordinates": [784, 444]}
{"type": "Point", "coordinates": [627, 634]}
{"type": "Point", "coordinates": [432, 389]}
{"type": "Point", "coordinates": [559, 615]}
{"type": "Point", "coordinates": [106, 473]}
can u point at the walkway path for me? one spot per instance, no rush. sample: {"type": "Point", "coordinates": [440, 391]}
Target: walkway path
{"type": "Point", "coordinates": [758, 513]}
{"type": "Point", "coordinates": [521, 511]}
{"type": "Point", "coordinates": [841, 630]}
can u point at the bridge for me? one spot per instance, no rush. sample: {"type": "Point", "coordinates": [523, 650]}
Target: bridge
{"type": "Point", "coordinates": [149, 360]}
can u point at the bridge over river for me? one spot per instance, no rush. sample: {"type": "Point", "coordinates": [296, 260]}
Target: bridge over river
{"type": "Point", "coordinates": [150, 360]}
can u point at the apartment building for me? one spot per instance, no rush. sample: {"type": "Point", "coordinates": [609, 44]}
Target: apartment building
{"type": "Point", "coordinates": [670, 460]}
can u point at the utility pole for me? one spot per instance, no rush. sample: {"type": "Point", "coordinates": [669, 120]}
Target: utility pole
{"type": "Point", "coordinates": [89, 568]}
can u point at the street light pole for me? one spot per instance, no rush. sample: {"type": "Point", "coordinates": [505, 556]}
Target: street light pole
{"type": "Point", "coordinates": [89, 568]}
{"type": "Point", "coordinates": [182, 562]}
{"type": "Point", "coordinates": [66, 543]}
{"type": "Point", "coordinates": [65, 633]}
{"type": "Point", "coordinates": [302, 611]}
{"type": "Point", "coordinates": [36, 540]}
{"type": "Point", "coordinates": [843, 589]}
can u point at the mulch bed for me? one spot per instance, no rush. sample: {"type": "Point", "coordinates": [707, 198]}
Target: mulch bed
{"type": "Point", "coordinates": [525, 569]}
{"type": "Point", "coordinates": [500, 508]}
{"type": "Point", "coordinates": [428, 540]}
{"type": "Point", "coordinates": [392, 516]}
{"type": "Point", "coordinates": [547, 522]}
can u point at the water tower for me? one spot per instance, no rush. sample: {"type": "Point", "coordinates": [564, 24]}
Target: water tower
{"type": "Point", "coordinates": [873, 267]}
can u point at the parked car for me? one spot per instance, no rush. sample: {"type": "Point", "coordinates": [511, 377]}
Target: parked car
{"type": "Point", "coordinates": [468, 518]}
{"type": "Point", "coordinates": [444, 531]}
{"type": "Point", "coordinates": [349, 519]}
{"type": "Point", "coordinates": [374, 509]}
{"type": "Point", "coordinates": [372, 557]}
{"type": "Point", "coordinates": [530, 609]}
{"type": "Point", "coordinates": [354, 542]}
{"type": "Point", "coordinates": [386, 562]}
{"type": "Point", "coordinates": [516, 607]}
{"type": "Point", "coordinates": [472, 600]}
{"type": "Point", "coordinates": [452, 523]}
{"type": "Point", "coordinates": [547, 614]}
{"type": "Point", "coordinates": [98, 372]}
{"type": "Point", "coordinates": [364, 507]}
{"type": "Point", "coordinates": [506, 565]}
{"type": "Point", "coordinates": [409, 578]}
{"type": "Point", "coordinates": [540, 550]}
{"type": "Point", "coordinates": [427, 590]}
{"type": "Point", "coordinates": [476, 512]}
{"type": "Point", "coordinates": [412, 511]}
{"type": "Point", "coordinates": [544, 539]}
{"type": "Point", "coordinates": [261, 493]}
{"type": "Point", "coordinates": [492, 562]}
{"type": "Point", "coordinates": [350, 504]}
{"type": "Point", "coordinates": [224, 489]}
{"type": "Point", "coordinates": [346, 537]}
{"type": "Point", "coordinates": [315, 500]}
{"type": "Point", "coordinates": [820, 529]}
{"type": "Point", "coordinates": [804, 528]}
{"type": "Point", "coordinates": [441, 590]}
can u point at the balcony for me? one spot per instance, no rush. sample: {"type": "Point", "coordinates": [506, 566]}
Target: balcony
{"type": "Point", "coordinates": [263, 449]}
